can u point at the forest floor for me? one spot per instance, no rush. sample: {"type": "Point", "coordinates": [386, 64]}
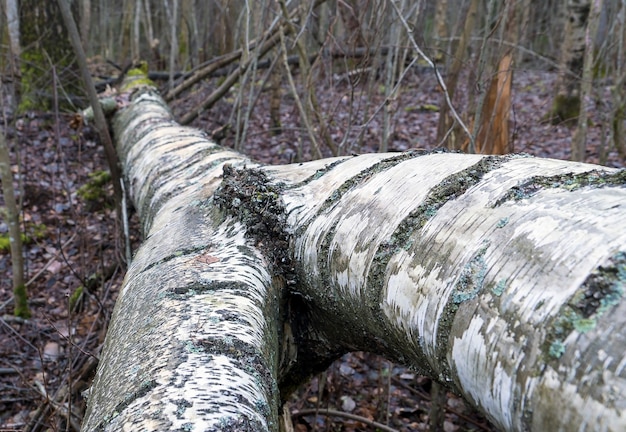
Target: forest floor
{"type": "Point", "coordinates": [74, 241]}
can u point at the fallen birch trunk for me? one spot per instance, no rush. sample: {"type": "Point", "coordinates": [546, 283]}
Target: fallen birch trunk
{"type": "Point", "coordinates": [500, 277]}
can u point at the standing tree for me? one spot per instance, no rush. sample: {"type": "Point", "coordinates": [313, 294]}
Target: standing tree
{"type": "Point", "coordinates": [580, 136]}
{"type": "Point", "coordinates": [447, 131]}
{"type": "Point", "coordinates": [11, 210]}
{"type": "Point", "coordinates": [566, 105]}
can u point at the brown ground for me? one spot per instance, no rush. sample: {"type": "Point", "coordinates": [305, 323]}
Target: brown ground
{"type": "Point", "coordinates": [51, 355]}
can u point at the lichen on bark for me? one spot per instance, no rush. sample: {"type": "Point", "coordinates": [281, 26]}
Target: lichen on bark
{"type": "Point", "coordinates": [601, 290]}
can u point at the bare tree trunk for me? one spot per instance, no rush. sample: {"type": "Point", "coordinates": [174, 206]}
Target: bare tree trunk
{"type": "Point", "coordinates": [500, 277]}
{"type": "Point", "coordinates": [566, 105]}
{"type": "Point", "coordinates": [189, 23]}
{"type": "Point", "coordinates": [20, 296]}
{"type": "Point", "coordinates": [124, 31]}
{"type": "Point", "coordinates": [172, 15]}
{"type": "Point", "coordinates": [579, 140]}
{"type": "Point", "coordinates": [492, 125]}
{"type": "Point", "coordinates": [13, 26]}
{"type": "Point", "coordinates": [135, 40]}
{"type": "Point", "coordinates": [446, 134]}
{"type": "Point", "coordinates": [618, 93]}
{"type": "Point", "coordinates": [85, 21]}
{"type": "Point", "coordinates": [440, 29]}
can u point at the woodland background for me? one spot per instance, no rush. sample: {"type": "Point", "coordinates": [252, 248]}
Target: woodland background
{"type": "Point", "coordinates": [282, 81]}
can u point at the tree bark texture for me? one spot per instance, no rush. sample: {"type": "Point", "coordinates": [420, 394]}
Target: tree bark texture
{"type": "Point", "coordinates": [566, 105]}
{"type": "Point", "coordinates": [501, 277]}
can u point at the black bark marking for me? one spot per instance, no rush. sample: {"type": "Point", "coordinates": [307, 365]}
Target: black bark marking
{"type": "Point", "coordinates": [568, 182]}
{"type": "Point", "coordinates": [603, 289]}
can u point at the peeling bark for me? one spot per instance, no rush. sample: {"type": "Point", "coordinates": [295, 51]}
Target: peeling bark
{"type": "Point", "coordinates": [500, 276]}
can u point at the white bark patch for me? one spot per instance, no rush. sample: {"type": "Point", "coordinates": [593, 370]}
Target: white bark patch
{"type": "Point", "coordinates": [200, 394]}
{"type": "Point", "coordinates": [410, 309]}
{"type": "Point", "coordinates": [482, 377]}
{"type": "Point", "coordinates": [560, 259]}
{"type": "Point", "coordinates": [462, 226]}
{"type": "Point", "coordinates": [197, 348]}
{"type": "Point", "coordinates": [565, 408]}
{"type": "Point", "coordinates": [298, 172]}
{"type": "Point", "coordinates": [389, 196]}
{"type": "Point", "coordinates": [303, 203]}
{"type": "Point", "coordinates": [165, 169]}
{"type": "Point", "coordinates": [538, 252]}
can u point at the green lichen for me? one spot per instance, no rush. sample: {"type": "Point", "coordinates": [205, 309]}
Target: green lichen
{"type": "Point", "coordinates": [20, 298]}
{"type": "Point", "coordinates": [500, 287]}
{"type": "Point", "coordinates": [472, 278]}
{"type": "Point", "coordinates": [583, 325]}
{"type": "Point", "coordinates": [137, 77]}
{"type": "Point", "coordinates": [191, 347]}
{"type": "Point", "coordinates": [602, 290]}
{"type": "Point", "coordinates": [33, 232]}
{"type": "Point", "coordinates": [557, 349]}
{"type": "Point", "coordinates": [95, 191]}
{"type": "Point", "coordinates": [139, 81]}
{"type": "Point", "coordinates": [75, 297]}
{"type": "Point", "coordinates": [181, 407]}
{"type": "Point", "coordinates": [29, 83]}
{"type": "Point", "coordinates": [5, 241]}
{"type": "Point", "coordinates": [568, 182]}
{"type": "Point", "coordinates": [140, 69]}
{"type": "Point", "coordinates": [502, 222]}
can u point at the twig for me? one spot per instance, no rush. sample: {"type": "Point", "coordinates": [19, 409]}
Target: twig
{"type": "Point", "coordinates": [426, 397]}
{"type": "Point", "coordinates": [55, 402]}
{"type": "Point", "coordinates": [272, 39]}
{"type": "Point", "coordinates": [335, 413]}
{"type": "Point", "coordinates": [440, 80]}
{"type": "Point", "coordinates": [101, 123]}
{"type": "Point", "coordinates": [49, 263]}
{"type": "Point", "coordinates": [294, 90]}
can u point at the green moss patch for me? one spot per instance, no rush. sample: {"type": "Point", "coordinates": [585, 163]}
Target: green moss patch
{"type": "Point", "coordinates": [565, 109]}
{"type": "Point", "coordinates": [96, 192]}
{"type": "Point", "coordinates": [33, 233]}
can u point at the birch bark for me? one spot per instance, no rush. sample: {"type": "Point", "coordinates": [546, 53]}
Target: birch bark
{"type": "Point", "coordinates": [500, 276]}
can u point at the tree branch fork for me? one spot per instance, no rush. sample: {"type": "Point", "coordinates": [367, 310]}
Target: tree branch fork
{"type": "Point", "coordinates": [501, 277]}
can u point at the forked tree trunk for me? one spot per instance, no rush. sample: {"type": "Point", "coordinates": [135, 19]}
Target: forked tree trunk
{"type": "Point", "coordinates": [501, 277]}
